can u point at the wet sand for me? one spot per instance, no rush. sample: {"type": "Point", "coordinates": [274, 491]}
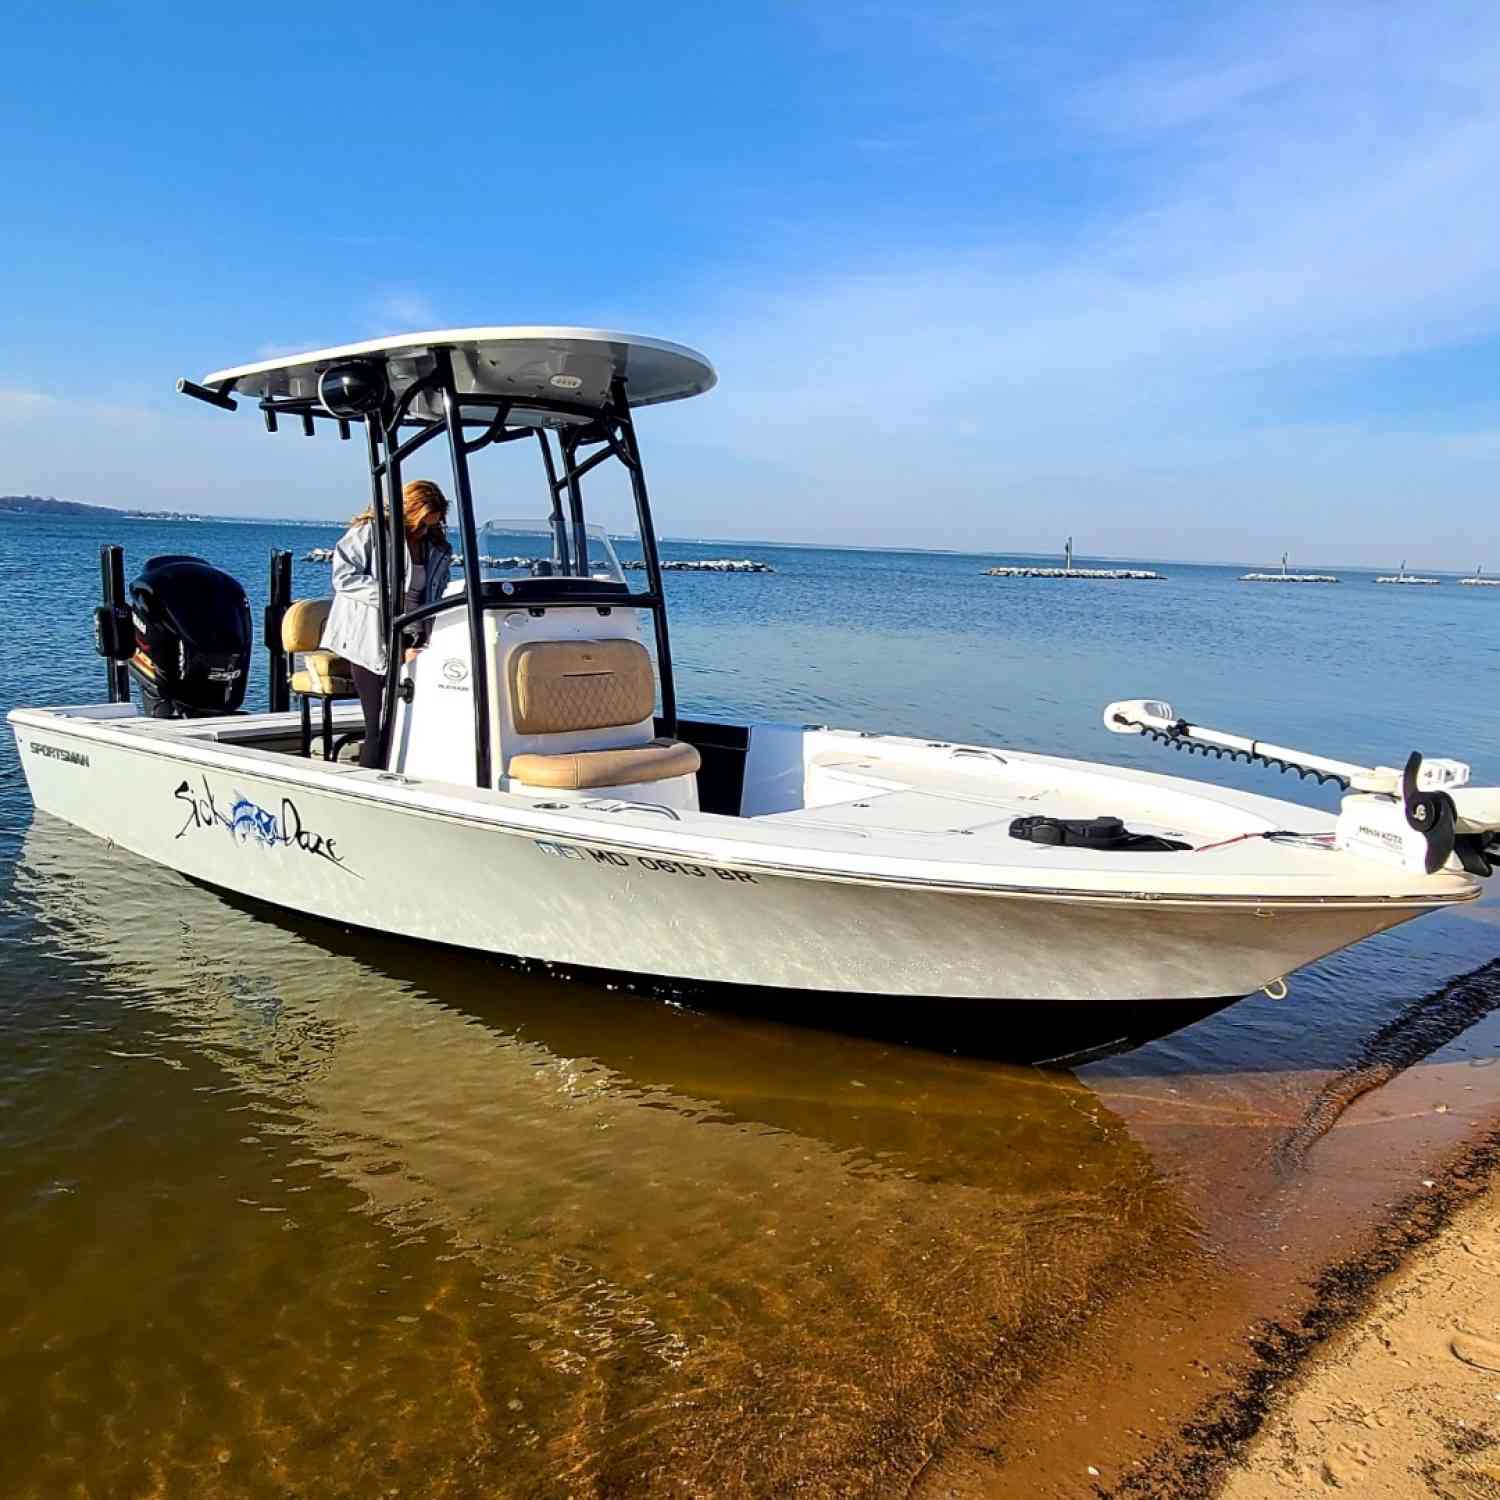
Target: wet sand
{"type": "Point", "coordinates": [1162, 1387]}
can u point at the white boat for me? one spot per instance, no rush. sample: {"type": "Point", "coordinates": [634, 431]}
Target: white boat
{"type": "Point", "coordinates": [542, 798]}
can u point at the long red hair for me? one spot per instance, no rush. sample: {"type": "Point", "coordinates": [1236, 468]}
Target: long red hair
{"type": "Point", "coordinates": [421, 500]}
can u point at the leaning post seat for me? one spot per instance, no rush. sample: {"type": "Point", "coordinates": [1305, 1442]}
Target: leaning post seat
{"type": "Point", "coordinates": [322, 675]}
{"type": "Point", "coordinates": [579, 688]}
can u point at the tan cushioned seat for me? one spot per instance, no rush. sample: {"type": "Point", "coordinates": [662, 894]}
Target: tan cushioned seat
{"type": "Point", "coordinates": [302, 624]}
{"type": "Point", "coordinates": [557, 687]}
{"type": "Point", "coordinates": [324, 675]}
{"type": "Point", "coordinates": [657, 761]}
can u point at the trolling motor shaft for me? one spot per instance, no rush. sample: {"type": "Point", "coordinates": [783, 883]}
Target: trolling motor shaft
{"type": "Point", "coordinates": [1433, 796]}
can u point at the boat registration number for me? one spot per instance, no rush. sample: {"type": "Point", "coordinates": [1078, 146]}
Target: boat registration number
{"type": "Point", "coordinates": [640, 861]}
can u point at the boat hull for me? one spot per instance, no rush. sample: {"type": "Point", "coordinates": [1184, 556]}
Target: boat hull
{"type": "Point", "coordinates": [351, 857]}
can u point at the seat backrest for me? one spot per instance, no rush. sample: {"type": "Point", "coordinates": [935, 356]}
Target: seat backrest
{"type": "Point", "coordinates": [559, 687]}
{"type": "Point", "coordinates": [302, 624]}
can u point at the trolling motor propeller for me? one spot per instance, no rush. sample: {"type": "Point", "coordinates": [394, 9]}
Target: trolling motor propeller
{"type": "Point", "coordinates": [1432, 814]}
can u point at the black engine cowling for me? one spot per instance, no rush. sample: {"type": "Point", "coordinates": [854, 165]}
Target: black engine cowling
{"type": "Point", "coordinates": [192, 638]}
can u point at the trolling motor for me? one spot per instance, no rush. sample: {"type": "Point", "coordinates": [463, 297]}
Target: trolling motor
{"type": "Point", "coordinates": [1415, 817]}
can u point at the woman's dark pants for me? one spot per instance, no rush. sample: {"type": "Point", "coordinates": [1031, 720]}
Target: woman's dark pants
{"type": "Point", "coordinates": [371, 689]}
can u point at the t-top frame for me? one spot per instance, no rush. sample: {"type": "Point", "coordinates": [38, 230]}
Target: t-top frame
{"type": "Point", "coordinates": [608, 429]}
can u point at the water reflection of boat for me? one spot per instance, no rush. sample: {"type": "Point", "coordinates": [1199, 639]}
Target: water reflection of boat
{"type": "Point", "coordinates": [710, 1248]}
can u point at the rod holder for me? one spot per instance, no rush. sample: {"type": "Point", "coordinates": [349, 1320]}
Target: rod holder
{"type": "Point", "coordinates": [203, 393]}
{"type": "Point", "coordinates": [279, 597]}
{"type": "Point", "coordinates": [114, 627]}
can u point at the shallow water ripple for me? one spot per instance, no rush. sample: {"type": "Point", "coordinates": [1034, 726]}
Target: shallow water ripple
{"type": "Point", "coordinates": [292, 1210]}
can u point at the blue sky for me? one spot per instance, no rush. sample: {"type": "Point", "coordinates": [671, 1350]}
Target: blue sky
{"type": "Point", "coordinates": [1186, 281]}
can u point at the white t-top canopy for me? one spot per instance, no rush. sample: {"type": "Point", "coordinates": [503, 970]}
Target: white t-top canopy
{"type": "Point", "coordinates": [573, 364]}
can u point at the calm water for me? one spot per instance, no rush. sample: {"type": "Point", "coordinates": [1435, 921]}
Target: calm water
{"type": "Point", "coordinates": [289, 1210]}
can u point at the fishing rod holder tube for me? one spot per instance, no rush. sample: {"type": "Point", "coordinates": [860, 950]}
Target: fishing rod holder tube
{"type": "Point", "coordinates": [114, 624]}
{"type": "Point", "coordinates": [278, 601]}
{"type": "Point", "coordinates": [203, 393]}
{"type": "Point", "coordinates": [1417, 817]}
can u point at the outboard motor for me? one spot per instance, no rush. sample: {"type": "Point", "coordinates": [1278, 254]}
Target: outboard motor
{"type": "Point", "coordinates": [192, 639]}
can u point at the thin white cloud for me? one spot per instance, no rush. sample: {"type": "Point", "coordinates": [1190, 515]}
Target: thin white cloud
{"type": "Point", "coordinates": [400, 312]}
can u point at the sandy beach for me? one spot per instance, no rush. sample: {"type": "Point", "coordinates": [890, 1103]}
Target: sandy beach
{"type": "Point", "coordinates": [1404, 1400]}
{"type": "Point", "coordinates": [1386, 1382]}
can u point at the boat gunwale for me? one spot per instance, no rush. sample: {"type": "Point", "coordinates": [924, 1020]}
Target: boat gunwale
{"type": "Point", "coordinates": [213, 754]}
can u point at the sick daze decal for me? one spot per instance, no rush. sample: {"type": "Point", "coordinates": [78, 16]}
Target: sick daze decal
{"type": "Point", "coordinates": [247, 822]}
{"type": "Point", "coordinates": [642, 862]}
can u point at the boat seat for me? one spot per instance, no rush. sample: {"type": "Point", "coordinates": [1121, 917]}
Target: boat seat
{"type": "Point", "coordinates": [561, 687]}
{"type": "Point", "coordinates": [580, 686]}
{"type": "Point", "coordinates": [659, 760]}
{"type": "Point", "coordinates": [322, 675]}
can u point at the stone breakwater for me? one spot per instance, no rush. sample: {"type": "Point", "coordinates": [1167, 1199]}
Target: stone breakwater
{"type": "Point", "coordinates": [1481, 583]}
{"type": "Point", "coordinates": [1406, 578]}
{"type": "Point", "coordinates": [705, 565]}
{"type": "Point", "coordinates": [669, 565]}
{"type": "Point", "coordinates": [1008, 572]}
{"type": "Point", "coordinates": [325, 554]}
{"type": "Point", "coordinates": [1287, 578]}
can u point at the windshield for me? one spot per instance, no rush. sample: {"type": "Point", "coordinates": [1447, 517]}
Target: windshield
{"type": "Point", "coordinates": [535, 549]}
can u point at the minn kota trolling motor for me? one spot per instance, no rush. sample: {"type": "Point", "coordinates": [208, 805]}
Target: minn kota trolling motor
{"type": "Point", "coordinates": [1415, 817]}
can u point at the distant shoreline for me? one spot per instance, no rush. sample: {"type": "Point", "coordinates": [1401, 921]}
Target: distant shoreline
{"type": "Point", "coordinates": [48, 505]}
{"type": "Point", "coordinates": [37, 505]}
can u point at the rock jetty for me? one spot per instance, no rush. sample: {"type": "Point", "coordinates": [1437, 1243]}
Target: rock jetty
{"type": "Point", "coordinates": [325, 554]}
{"type": "Point", "coordinates": [704, 565]}
{"type": "Point", "coordinates": [1287, 578]}
{"type": "Point", "coordinates": [1402, 576]}
{"type": "Point", "coordinates": [669, 565]}
{"type": "Point", "coordinates": [1072, 573]}
{"type": "Point", "coordinates": [1069, 571]}
{"type": "Point", "coordinates": [1284, 577]}
{"type": "Point", "coordinates": [1478, 580]}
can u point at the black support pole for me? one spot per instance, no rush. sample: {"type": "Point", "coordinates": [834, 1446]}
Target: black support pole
{"type": "Point", "coordinates": [653, 561]}
{"type": "Point", "coordinates": [559, 530]}
{"type": "Point", "coordinates": [395, 588]}
{"type": "Point", "coordinates": [278, 598]}
{"type": "Point", "coordinates": [479, 666]}
{"type": "Point", "coordinates": [377, 510]}
{"type": "Point", "coordinates": [112, 589]}
{"type": "Point", "coordinates": [568, 442]}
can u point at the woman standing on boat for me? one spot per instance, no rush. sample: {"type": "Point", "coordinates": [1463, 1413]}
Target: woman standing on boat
{"type": "Point", "coordinates": [354, 629]}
